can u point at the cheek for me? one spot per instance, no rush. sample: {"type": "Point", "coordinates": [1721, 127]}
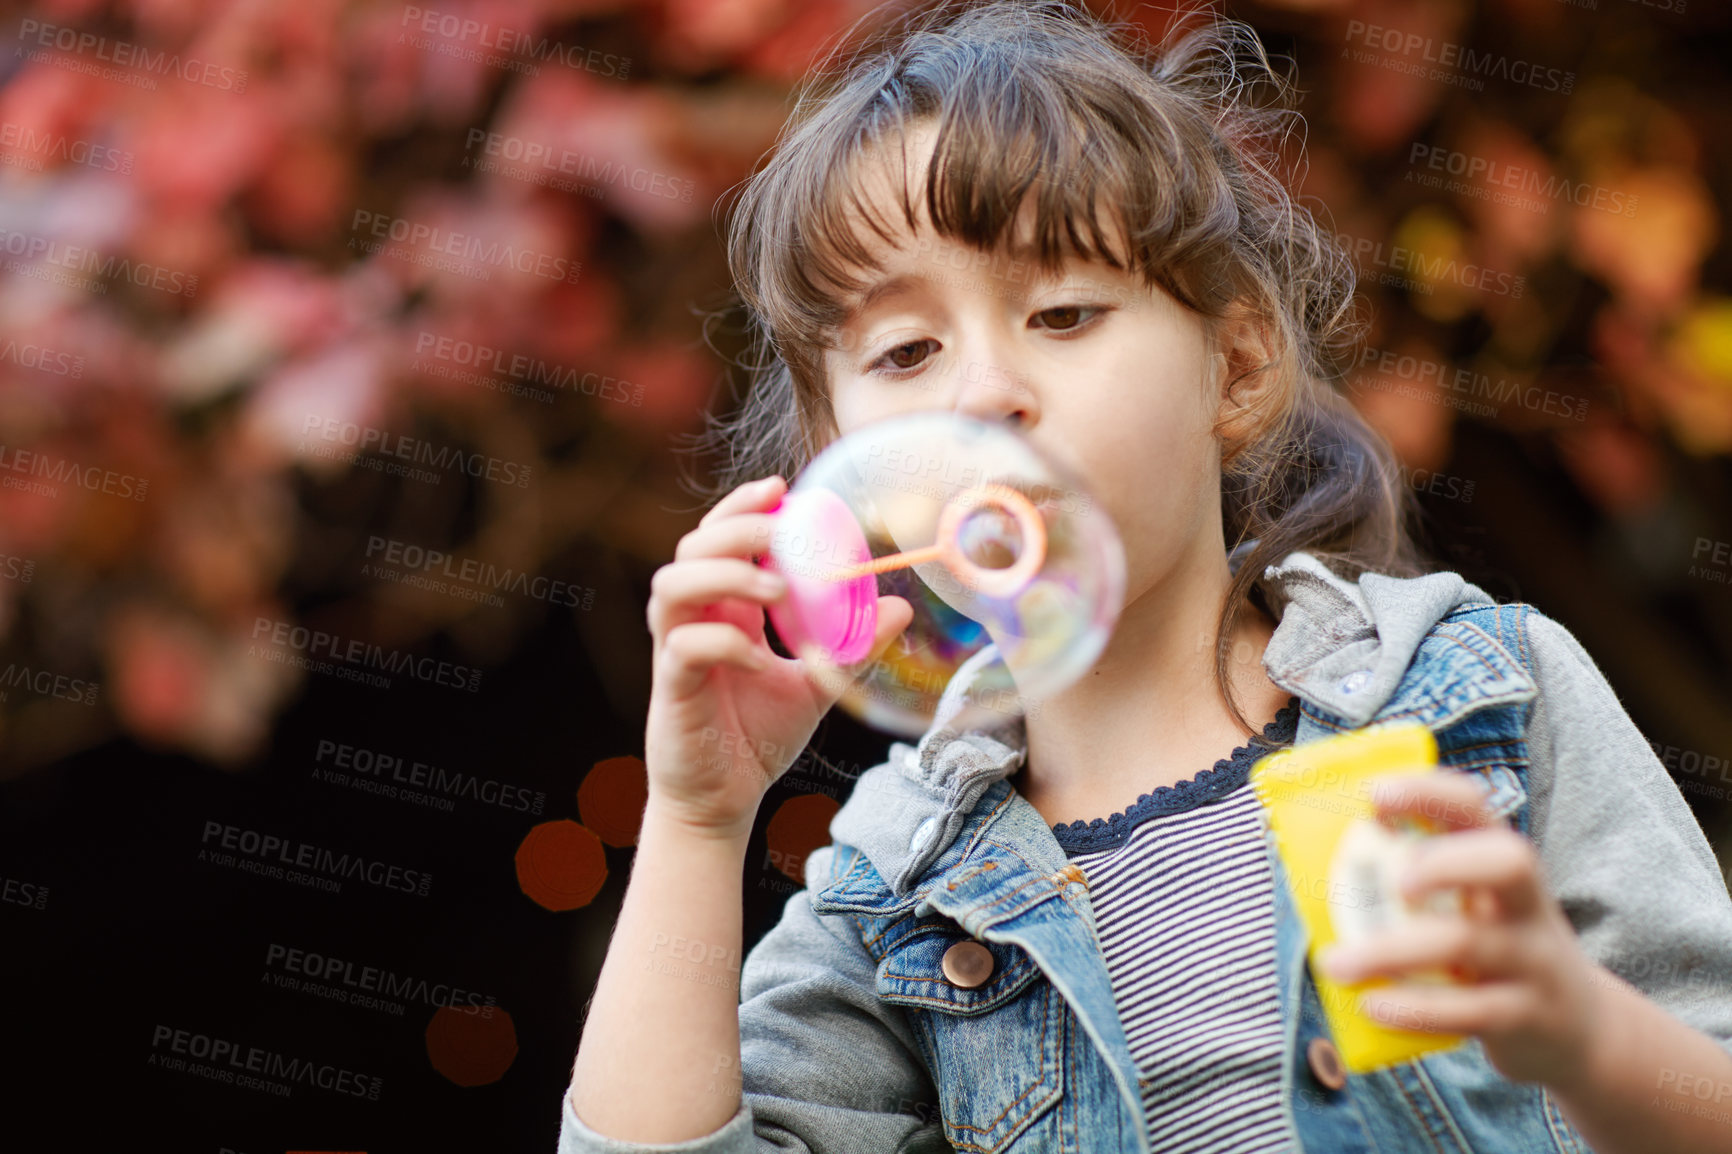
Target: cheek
{"type": "Point", "coordinates": [847, 407]}
{"type": "Point", "coordinates": [846, 419]}
{"type": "Point", "coordinates": [1159, 424]}
{"type": "Point", "coordinates": [1157, 469]}
{"type": "Point", "coordinates": [853, 402]}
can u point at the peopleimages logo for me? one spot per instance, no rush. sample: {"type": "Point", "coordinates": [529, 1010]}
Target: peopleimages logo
{"type": "Point", "coordinates": [354, 656]}
{"type": "Point", "coordinates": [376, 771]}
{"type": "Point", "coordinates": [458, 247]}
{"type": "Point", "coordinates": [1518, 179]}
{"type": "Point", "coordinates": [22, 893]}
{"type": "Point", "coordinates": [591, 172]}
{"type": "Point", "coordinates": [39, 146]}
{"type": "Point", "coordinates": [28, 356]}
{"type": "Point", "coordinates": [18, 569]}
{"type": "Point", "coordinates": [126, 55]}
{"type": "Point", "coordinates": [1429, 270]}
{"type": "Point", "coordinates": [370, 987]}
{"type": "Point", "coordinates": [1394, 368]}
{"type": "Point", "coordinates": [80, 259]}
{"type": "Point", "coordinates": [224, 1061]}
{"type": "Point", "coordinates": [1458, 64]}
{"type": "Point", "coordinates": [521, 369]}
{"type": "Point", "coordinates": [469, 571]}
{"type": "Point", "coordinates": [510, 43]}
{"type": "Point", "coordinates": [54, 471]}
{"type": "Point", "coordinates": [367, 439]}
{"type": "Point", "coordinates": [267, 854]}
{"type": "Point", "coordinates": [47, 683]}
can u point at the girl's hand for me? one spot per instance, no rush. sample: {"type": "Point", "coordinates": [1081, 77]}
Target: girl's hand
{"type": "Point", "coordinates": [727, 715]}
{"type": "Point", "coordinates": [1527, 990]}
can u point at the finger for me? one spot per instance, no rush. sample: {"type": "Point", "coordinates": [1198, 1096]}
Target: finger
{"type": "Point", "coordinates": [1425, 942]}
{"type": "Point", "coordinates": [1441, 801]}
{"type": "Point", "coordinates": [1500, 860]}
{"type": "Point", "coordinates": [748, 498]}
{"type": "Point", "coordinates": [739, 535]}
{"type": "Point", "coordinates": [1484, 1008]}
{"type": "Point", "coordinates": [894, 617]}
{"type": "Point", "coordinates": [830, 682]}
{"type": "Point", "coordinates": [681, 592]}
{"type": "Point", "coordinates": [693, 650]}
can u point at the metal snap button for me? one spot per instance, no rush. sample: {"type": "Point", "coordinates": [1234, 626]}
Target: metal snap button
{"type": "Point", "coordinates": [923, 834]}
{"type": "Point", "coordinates": [1355, 681]}
{"type": "Point", "coordinates": [968, 965]}
{"type": "Point", "coordinates": [1325, 1062]}
{"type": "Point", "coordinates": [1070, 873]}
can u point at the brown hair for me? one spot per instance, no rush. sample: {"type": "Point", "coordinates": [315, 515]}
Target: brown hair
{"type": "Point", "coordinates": [1182, 144]}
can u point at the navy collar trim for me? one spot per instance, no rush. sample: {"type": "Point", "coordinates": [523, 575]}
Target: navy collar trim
{"type": "Point", "coordinates": [1228, 774]}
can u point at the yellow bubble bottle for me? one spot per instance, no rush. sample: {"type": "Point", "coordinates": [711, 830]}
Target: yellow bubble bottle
{"type": "Point", "coordinates": [1343, 867]}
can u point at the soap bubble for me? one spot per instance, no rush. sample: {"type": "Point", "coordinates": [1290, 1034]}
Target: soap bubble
{"type": "Point", "coordinates": [990, 542]}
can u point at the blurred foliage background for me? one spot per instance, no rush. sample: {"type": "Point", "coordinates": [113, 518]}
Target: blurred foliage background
{"type": "Point", "coordinates": [296, 296]}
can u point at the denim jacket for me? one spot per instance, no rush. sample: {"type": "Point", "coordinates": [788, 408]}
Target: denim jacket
{"type": "Point", "coordinates": [853, 1040]}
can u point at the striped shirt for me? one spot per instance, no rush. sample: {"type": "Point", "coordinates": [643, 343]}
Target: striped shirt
{"type": "Point", "coordinates": [1184, 903]}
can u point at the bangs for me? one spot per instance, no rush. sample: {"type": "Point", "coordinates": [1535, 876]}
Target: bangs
{"type": "Point", "coordinates": [1077, 137]}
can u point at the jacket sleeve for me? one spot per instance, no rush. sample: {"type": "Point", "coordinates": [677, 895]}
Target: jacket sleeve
{"type": "Point", "coordinates": [1618, 844]}
{"type": "Point", "coordinates": [825, 1065]}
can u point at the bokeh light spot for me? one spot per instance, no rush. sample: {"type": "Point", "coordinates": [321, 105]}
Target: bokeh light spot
{"type": "Point", "coordinates": [473, 1046]}
{"type": "Point", "coordinates": [799, 826]}
{"type": "Point", "coordinates": [1705, 340]}
{"type": "Point", "coordinates": [611, 799]}
{"type": "Point", "coordinates": [561, 865]}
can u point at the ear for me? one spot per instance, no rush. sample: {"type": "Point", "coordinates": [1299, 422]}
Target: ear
{"type": "Point", "coordinates": [1246, 381]}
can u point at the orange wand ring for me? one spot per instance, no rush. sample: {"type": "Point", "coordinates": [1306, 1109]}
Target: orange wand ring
{"type": "Point", "coordinates": [1003, 583]}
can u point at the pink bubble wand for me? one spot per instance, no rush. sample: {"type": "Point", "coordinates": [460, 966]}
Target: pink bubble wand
{"type": "Point", "coordinates": [835, 609]}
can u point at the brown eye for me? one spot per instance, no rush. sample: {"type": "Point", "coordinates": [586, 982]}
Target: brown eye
{"type": "Point", "coordinates": [1066, 317]}
{"type": "Point", "coordinates": [907, 356]}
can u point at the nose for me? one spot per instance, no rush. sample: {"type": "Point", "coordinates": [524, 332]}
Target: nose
{"type": "Point", "coordinates": [990, 391]}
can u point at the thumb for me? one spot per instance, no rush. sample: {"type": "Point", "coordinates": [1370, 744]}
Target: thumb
{"type": "Point", "coordinates": [829, 681]}
{"type": "Point", "coordinates": [894, 616]}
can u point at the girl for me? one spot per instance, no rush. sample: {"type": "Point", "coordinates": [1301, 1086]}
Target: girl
{"type": "Point", "coordinates": [1066, 932]}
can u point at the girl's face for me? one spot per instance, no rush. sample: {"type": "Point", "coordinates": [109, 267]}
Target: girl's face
{"type": "Point", "coordinates": [1109, 378]}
